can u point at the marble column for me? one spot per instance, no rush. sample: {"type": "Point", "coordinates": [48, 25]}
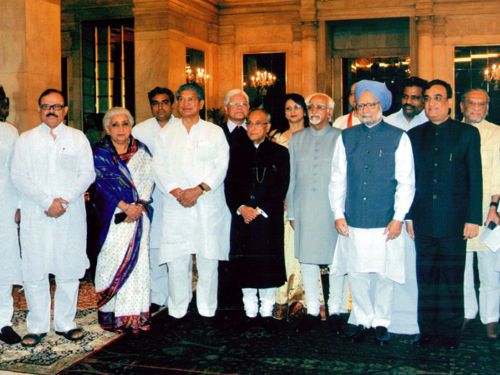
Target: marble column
{"type": "Point", "coordinates": [309, 58]}
{"type": "Point", "coordinates": [30, 60]}
{"type": "Point", "coordinates": [440, 66]}
{"type": "Point", "coordinates": [152, 57]}
{"type": "Point", "coordinates": [425, 27]}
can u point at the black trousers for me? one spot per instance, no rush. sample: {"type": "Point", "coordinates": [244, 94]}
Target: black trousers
{"type": "Point", "coordinates": [440, 277]}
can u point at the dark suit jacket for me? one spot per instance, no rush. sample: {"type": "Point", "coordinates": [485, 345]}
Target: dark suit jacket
{"type": "Point", "coordinates": [258, 178]}
{"type": "Point", "coordinates": [448, 178]}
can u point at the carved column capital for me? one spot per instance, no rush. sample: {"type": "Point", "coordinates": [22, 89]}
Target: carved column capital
{"type": "Point", "coordinates": [226, 34]}
{"type": "Point", "coordinates": [309, 30]}
{"type": "Point", "coordinates": [213, 33]}
{"type": "Point", "coordinates": [425, 25]}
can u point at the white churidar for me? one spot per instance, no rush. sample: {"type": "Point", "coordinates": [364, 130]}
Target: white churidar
{"type": "Point", "coordinates": [267, 297]}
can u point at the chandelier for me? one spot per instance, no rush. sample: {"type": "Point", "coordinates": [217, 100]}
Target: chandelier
{"type": "Point", "coordinates": [262, 81]}
{"type": "Point", "coordinates": [493, 76]}
{"type": "Point", "coordinates": [199, 76]}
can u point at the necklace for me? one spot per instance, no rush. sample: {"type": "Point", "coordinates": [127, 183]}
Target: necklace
{"type": "Point", "coordinates": [256, 172]}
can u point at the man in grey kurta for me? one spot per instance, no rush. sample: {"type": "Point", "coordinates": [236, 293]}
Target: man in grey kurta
{"type": "Point", "coordinates": [311, 152]}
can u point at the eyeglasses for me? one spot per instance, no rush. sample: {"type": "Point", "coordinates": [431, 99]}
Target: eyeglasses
{"type": "Point", "coordinates": [319, 107]}
{"type": "Point", "coordinates": [55, 107]}
{"type": "Point", "coordinates": [296, 107]}
{"type": "Point", "coordinates": [415, 98]}
{"type": "Point", "coordinates": [241, 104]}
{"type": "Point", "coordinates": [362, 106]}
{"type": "Point", "coordinates": [437, 98]}
{"type": "Point", "coordinates": [258, 123]}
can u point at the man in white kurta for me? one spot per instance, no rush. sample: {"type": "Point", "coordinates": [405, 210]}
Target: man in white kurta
{"type": "Point", "coordinates": [190, 164]}
{"type": "Point", "coordinates": [351, 119]}
{"type": "Point", "coordinates": [52, 168]}
{"type": "Point", "coordinates": [404, 314]}
{"type": "Point", "coordinates": [10, 266]}
{"type": "Point", "coordinates": [161, 100]}
{"type": "Point", "coordinates": [474, 106]}
{"type": "Point", "coordinates": [371, 190]}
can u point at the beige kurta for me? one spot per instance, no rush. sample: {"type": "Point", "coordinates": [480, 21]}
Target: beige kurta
{"type": "Point", "coordinates": [490, 158]}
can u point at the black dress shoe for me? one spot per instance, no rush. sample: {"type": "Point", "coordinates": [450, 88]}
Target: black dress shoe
{"type": "Point", "coordinates": [9, 336]}
{"type": "Point", "coordinates": [208, 322]}
{"type": "Point", "coordinates": [247, 324]}
{"type": "Point", "coordinates": [450, 343]}
{"type": "Point", "coordinates": [423, 339]}
{"type": "Point", "coordinates": [359, 335]}
{"type": "Point", "coordinates": [307, 323]}
{"type": "Point", "coordinates": [335, 323]}
{"type": "Point", "coordinates": [270, 324]}
{"type": "Point", "coordinates": [382, 336]}
{"type": "Point", "coordinates": [154, 308]}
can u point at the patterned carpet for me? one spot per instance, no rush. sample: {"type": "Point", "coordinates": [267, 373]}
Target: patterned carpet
{"type": "Point", "coordinates": [55, 353]}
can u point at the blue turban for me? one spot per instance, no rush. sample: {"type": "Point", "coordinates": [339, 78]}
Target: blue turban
{"type": "Point", "coordinates": [378, 90]}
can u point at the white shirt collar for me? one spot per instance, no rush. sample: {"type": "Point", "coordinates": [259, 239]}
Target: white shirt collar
{"type": "Point", "coordinates": [58, 129]}
{"type": "Point", "coordinates": [231, 125]}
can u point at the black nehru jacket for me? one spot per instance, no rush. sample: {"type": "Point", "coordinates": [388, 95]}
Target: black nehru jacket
{"type": "Point", "coordinates": [448, 178]}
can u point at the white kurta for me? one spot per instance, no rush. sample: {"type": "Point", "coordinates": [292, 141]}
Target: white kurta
{"type": "Point", "coordinates": [341, 122]}
{"type": "Point", "coordinates": [44, 169]}
{"type": "Point", "coordinates": [10, 266]}
{"type": "Point", "coordinates": [366, 250]}
{"type": "Point", "coordinates": [184, 160]}
{"type": "Point", "coordinates": [146, 132]}
{"type": "Point", "coordinates": [399, 120]}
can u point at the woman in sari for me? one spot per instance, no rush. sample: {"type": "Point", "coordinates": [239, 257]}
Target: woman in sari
{"type": "Point", "coordinates": [121, 197]}
{"type": "Point", "coordinates": [290, 300]}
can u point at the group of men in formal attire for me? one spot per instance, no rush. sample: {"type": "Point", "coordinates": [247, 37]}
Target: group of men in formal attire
{"type": "Point", "coordinates": [220, 196]}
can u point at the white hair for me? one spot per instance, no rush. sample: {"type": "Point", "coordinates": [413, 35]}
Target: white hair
{"type": "Point", "coordinates": [112, 112]}
{"type": "Point", "coordinates": [234, 92]}
{"type": "Point", "coordinates": [331, 103]}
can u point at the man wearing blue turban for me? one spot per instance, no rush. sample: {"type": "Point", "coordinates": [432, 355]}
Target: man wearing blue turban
{"type": "Point", "coordinates": [371, 190]}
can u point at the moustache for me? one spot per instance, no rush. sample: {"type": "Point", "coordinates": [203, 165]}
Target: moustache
{"type": "Point", "coordinates": [409, 106]}
{"type": "Point", "coordinates": [51, 115]}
